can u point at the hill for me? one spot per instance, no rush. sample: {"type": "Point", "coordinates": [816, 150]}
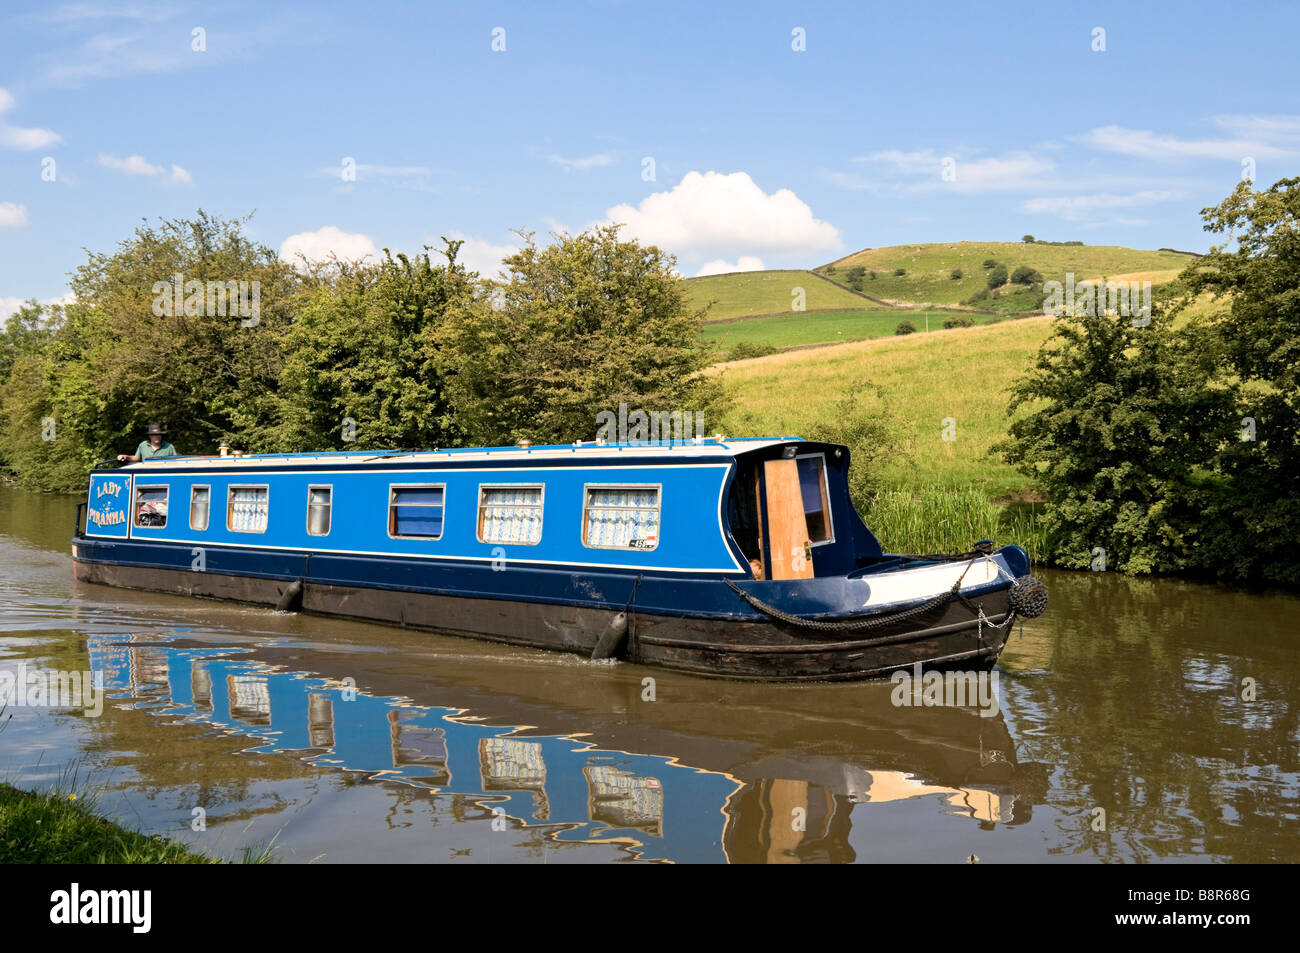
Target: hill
{"type": "Point", "coordinates": [928, 270]}
{"type": "Point", "coordinates": [965, 374]}
{"type": "Point", "coordinates": [744, 293]}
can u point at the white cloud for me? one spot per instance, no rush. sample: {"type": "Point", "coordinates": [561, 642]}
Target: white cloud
{"type": "Point", "coordinates": [12, 215]}
{"type": "Point", "coordinates": [583, 163]}
{"type": "Point", "coordinates": [1145, 144]}
{"type": "Point", "coordinates": [1011, 171]}
{"type": "Point", "coordinates": [131, 165]}
{"type": "Point", "coordinates": [1078, 207]}
{"type": "Point", "coordinates": [713, 211]}
{"type": "Point", "coordinates": [18, 137]}
{"type": "Point", "coordinates": [329, 241]}
{"type": "Point", "coordinates": [136, 165]}
{"type": "Point", "coordinates": [477, 254]}
{"type": "Point", "coordinates": [720, 267]}
{"type": "Point", "coordinates": [1263, 127]}
{"type": "Point", "coordinates": [9, 305]}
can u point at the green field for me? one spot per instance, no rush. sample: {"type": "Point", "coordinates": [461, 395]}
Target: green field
{"type": "Point", "coordinates": [767, 292]}
{"type": "Point", "coordinates": [938, 495]}
{"type": "Point", "coordinates": [964, 374]}
{"type": "Point", "coordinates": [826, 327]}
{"type": "Point", "coordinates": [929, 267]}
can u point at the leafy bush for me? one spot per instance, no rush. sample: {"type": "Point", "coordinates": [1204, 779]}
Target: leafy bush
{"type": "Point", "coordinates": [1139, 434]}
{"type": "Point", "coordinates": [959, 321]}
{"type": "Point", "coordinates": [1024, 275]}
{"type": "Point", "coordinates": [899, 272]}
{"type": "Point", "coordinates": [990, 262]}
{"type": "Point", "coordinates": [905, 327]}
{"type": "Point", "coordinates": [748, 349]}
{"type": "Point", "coordinates": [998, 277]}
{"type": "Point", "coordinates": [977, 297]}
{"type": "Point", "coordinates": [955, 274]}
{"type": "Point", "coordinates": [1028, 239]}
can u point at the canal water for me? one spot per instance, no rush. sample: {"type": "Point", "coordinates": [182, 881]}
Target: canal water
{"type": "Point", "coordinates": [1136, 721]}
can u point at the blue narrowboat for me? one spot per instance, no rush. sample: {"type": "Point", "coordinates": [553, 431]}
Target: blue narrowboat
{"type": "Point", "coordinates": [731, 557]}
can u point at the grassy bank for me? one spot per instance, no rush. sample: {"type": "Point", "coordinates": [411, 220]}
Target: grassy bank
{"type": "Point", "coordinates": [62, 828]}
{"type": "Point", "coordinates": [950, 519]}
{"type": "Point", "coordinates": [964, 374]}
{"type": "Point", "coordinates": [938, 495]}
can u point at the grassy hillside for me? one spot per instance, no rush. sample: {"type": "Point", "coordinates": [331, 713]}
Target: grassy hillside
{"type": "Point", "coordinates": [826, 327]}
{"type": "Point", "coordinates": [767, 292]}
{"type": "Point", "coordinates": [964, 374]}
{"type": "Point", "coordinates": [929, 268]}
{"type": "Point", "coordinates": [939, 495]}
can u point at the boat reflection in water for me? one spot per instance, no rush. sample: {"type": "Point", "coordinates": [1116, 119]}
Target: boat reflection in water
{"type": "Point", "coordinates": [712, 794]}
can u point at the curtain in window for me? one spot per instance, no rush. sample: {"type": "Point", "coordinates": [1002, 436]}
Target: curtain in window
{"type": "Point", "coordinates": [248, 509]}
{"type": "Point", "coordinates": [511, 515]}
{"type": "Point", "coordinates": [622, 518]}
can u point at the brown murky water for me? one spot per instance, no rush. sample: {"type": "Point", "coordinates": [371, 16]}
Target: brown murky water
{"type": "Point", "coordinates": [1119, 732]}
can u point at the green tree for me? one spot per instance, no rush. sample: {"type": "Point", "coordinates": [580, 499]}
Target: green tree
{"type": "Point", "coordinates": [1024, 275]}
{"type": "Point", "coordinates": [120, 359]}
{"type": "Point", "coordinates": [997, 277]}
{"type": "Point", "coordinates": [362, 365]}
{"type": "Point", "coordinates": [575, 328]}
{"type": "Point", "coordinates": [1174, 444]}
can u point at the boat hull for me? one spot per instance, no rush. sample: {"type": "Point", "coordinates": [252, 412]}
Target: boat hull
{"type": "Point", "coordinates": [950, 635]}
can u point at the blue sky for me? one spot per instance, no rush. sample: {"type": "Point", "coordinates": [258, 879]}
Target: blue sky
{"type": "Point", "coordinates": [763, 154]}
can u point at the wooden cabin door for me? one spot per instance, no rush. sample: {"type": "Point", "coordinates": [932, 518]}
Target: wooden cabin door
{"type": "Point", "coordinates": [787, 528]}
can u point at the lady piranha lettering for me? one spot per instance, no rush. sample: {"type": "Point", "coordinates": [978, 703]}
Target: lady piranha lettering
{"type": "Point", "coordinates": [109, 489]}
{"type": "Point", "coordinates": [106, 516]}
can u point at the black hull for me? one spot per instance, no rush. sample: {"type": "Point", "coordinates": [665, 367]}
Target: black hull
{"type": "Point", "coordinates": [949, 636]}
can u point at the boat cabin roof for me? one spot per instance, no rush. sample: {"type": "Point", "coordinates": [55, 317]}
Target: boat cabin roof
{"type": "Point", "coordinates": [724, 448]}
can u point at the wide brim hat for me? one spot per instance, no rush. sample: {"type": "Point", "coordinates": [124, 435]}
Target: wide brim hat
{"type": "Point", "coordinates": [156, 429]}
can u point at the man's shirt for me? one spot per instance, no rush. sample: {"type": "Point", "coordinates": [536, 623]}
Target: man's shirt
{"type": "Point", "coordinates": [146, 451]}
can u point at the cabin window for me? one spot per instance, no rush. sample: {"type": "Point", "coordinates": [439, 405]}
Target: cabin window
{"type": "Point", "coordinates": [199, 501]}
{"type": "Point", "coordinates": [816, 501]}
{"type": "Point", "coordinates": [151, 506]}
{"type": "Point", "coordinates": [318, 510]}
{"type": "Point", "coordinates": [510, 514]}
{"type": "Point", "coordinates": [246, 509]}
{"type": "Point", "coordinates": [415, 511]}
{"type": "Point", "coordinates": [621, 517]}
